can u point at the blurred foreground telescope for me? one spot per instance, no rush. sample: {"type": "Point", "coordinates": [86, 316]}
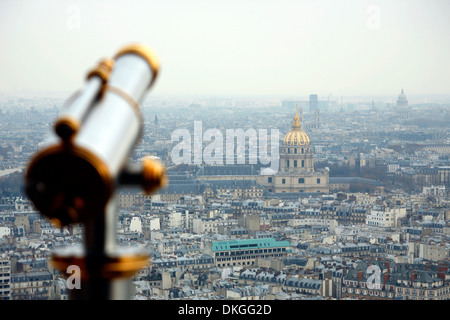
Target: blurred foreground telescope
{"type": "Point", "coordinates": [74, 176]}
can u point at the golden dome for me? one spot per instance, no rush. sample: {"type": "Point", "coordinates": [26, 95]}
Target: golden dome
{"type": "Point", "coordinates": [296, 137]}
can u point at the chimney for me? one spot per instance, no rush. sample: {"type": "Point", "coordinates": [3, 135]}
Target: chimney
{"type": "Point", "coordinates": [385, 277]}
{"type": "Point", "coordinates": [413, 276]}
{"type": "Point", "coordinates": [442, 269]}
{"type": "Point", "coordinates": [442, 276]}
{"type": "Point", "coordinates": [360, 274]}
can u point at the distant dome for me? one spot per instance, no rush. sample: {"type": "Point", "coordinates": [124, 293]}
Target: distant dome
{"type": "Point", "coordinates": [296, 137]}
{"type": "Point", "coordinates": [402, 100]}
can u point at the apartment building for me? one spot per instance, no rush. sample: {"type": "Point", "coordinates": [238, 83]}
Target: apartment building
{"type": "Point", "coordinates": [211, 225]}
{"type": "Point", "coordinates": [244, 252]}
{"type": "Point", "coordinates": [385, 217]}
{"type": "Point", "coordinates": [33, 285]}
{"type": "Point", "coordinates": [192, 262]}
{"type": "Point", "coordinates": [5, 280]}
{"type": "Point", "coordinates": [397, 282]}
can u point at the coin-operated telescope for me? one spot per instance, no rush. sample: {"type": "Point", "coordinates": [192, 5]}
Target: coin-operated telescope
{"type": "Point", "coordinates": [73, 177]}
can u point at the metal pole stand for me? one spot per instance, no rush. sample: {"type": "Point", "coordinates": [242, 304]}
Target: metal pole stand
{"type": "Point", "coordinates": [105, 269]}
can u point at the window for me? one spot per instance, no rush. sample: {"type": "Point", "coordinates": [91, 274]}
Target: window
{"type": "Point", "coordinates": [318, 180]}
{"type": "Point", "coordinates": [295, 150]}
{"type": "Point", "coordinates": [287, 163]}
{"type": "Point", "coordinates": [303, 163]}
{"type": "Point", "coordinates": [301, 180]}
{"type": "Point", "coordinates": [295, 162]}
{"type": "Point", "coordinates": [283, 181]}
{"type": "Point", "coordinates": [269, 179]}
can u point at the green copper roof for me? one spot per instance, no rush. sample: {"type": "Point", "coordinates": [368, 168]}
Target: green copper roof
{"type": "Point", "coordinates": [248, 244]}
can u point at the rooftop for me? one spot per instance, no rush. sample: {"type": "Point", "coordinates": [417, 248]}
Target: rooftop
{"type": "Point", "coordinates": [248, 243]}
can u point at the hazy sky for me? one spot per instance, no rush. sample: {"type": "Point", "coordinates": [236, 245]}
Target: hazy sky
{"type": "Point", "coordinates": [245, 47]}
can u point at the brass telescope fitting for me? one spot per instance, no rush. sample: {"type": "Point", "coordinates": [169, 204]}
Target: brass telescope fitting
{"type": "Point", "coordinates": [68, 184]}
{"type": "Point", "coordinates": [150, 175]}
{"type": "Point", "coordinates": [102, 70]}
{"type": "Point", "coordinates": [122, 266]}
{"type": "Point", "coordinates": [144, 52]}
{"type": "Point", "coordinates": [69, 124]}
{"type": "Point", "coordinates": [66, 127]}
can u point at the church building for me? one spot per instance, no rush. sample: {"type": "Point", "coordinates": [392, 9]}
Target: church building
{"type": "Point", "coordinates": [402, 105]}
{"type": "Point", "coordinates": [296, 173]}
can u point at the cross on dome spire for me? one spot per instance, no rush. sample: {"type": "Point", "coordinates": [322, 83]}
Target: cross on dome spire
{"type": "Point", "coordinates": [296, 123]}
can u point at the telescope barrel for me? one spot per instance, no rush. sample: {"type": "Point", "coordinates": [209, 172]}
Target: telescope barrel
{"type": "Point", "coordinates": [71, 180]}
{"type": "Point", "coordinates": [114, 125]}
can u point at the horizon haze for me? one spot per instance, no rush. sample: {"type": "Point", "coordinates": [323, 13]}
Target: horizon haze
{"type": "Point", "coordinates": [275, 48]}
